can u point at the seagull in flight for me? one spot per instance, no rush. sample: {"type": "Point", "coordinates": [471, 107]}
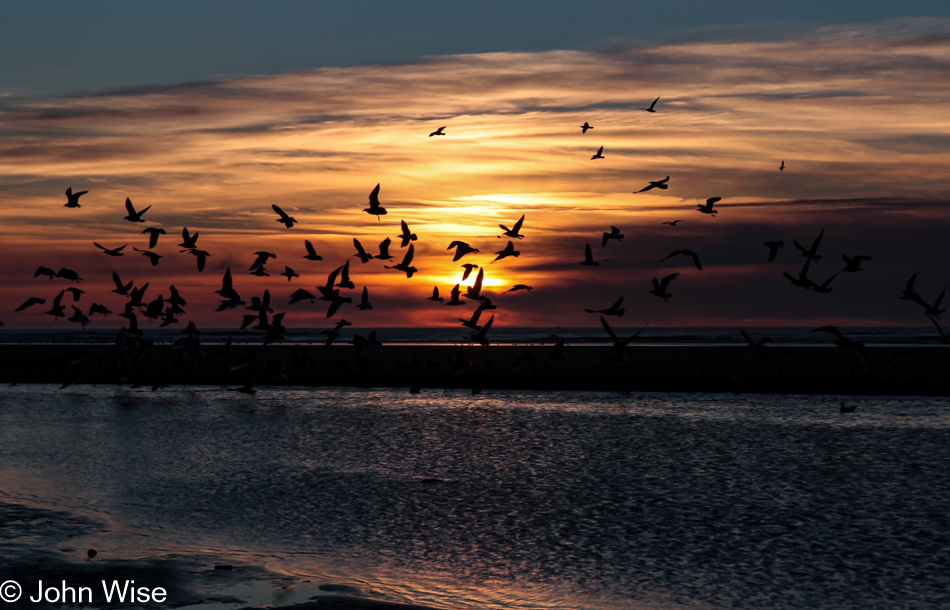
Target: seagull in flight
{"type": "Point", "coordinates": [374, 206]}
{"type": "Point", "coordinates": [435, 295]}
{"type": "Point", "coordinates": [652, 107]}
{"type": "Point", "coordinates": [660, 287]}
{"type": "Point", "coordinates": [406, 264]}
{"type": "Point", "coordinates": [361, 253]}
{"type": "Point", "coordinates": [509, 250]}
{"type": "Point", "coordinates": [311, 252]}
{"type": "Point", "coordinates": [614, 234]}
{"type": "Point", "coordinates": [854, 264]}
{"type": "Point", "coordinates": [802, 280]}
{"type": "Point", "coordinates": [613, 310]}
{"type": "Point", "coordinates": [290, 273]}
{"type": "Point", "coordinates": [153, 233]}
{"type": "Point", "coordinates": [811, 253]}
{"type": "Point", "coordinates": [482, 335]}
{"type": "Point", "coordinates": [438, 132]}
{"type": "Point", "coordinates": [134, 216]}
{"type": "Point", "coordinates": [468, 270]}
{"type": "Point", "coordinates": [824, 287]}
{"type": "Point", "coordinates": [152, 256]}
{"type": "Point", "coordinates": [518, 287]}
{"type": "Point", "coordinates": [120, 288]}
{"type": "Point", "coordinates": [384, 250]}
{"type": "Point", "coordinates": [689, 253]}
{"type": "Point", "coordinates": [407, 235]}
{"type": "Point", "coordinates": [585, 127]}
{"type": "Point", "coordinates": [515, 231]}
{"type": "Point", "coordinates": [781, 167]}
{"type": "Point", "coordinates": [364, 301]}
{"type": "Point", "coordinates": [773, 247]}
{"type": "Point", "coordinates": [284, 217]}
{"type": "Point", "coordinates": [31, 302]}
{"type": "Point", "coordinates": [671, 223]}
{"type": "Point", "coordinates": [112, 252]}
{"type": "Point", "coordinates": [261, 260]}
{"type": "Point", "coordinates": [188, 241]}
{"type": "Point", "coordinates": [619, 343]}
{"type": "Point", "coordinates": [599, 154]}
{"type": "Point", "coordinates": [461, 249]}
{"type": "Point", "coordinates": [455, 300]}
{"type": "Point", "coordinates": [588, 257]}
{"type": "Point", "coordinates": [656, 184]}
{"type": "Point", "coordinates": [708, 208]}
{"type": "Point", "coordinates": [73, 198]}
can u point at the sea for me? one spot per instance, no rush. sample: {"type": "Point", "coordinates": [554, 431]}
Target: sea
{"type": "Point", "coordinates": [497, 500]}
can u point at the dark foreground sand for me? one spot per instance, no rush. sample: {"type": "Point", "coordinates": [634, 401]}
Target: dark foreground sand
{"type": "Point", "coordinates": [923, 369]}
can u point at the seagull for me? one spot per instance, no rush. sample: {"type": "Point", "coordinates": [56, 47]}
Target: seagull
{"type": "Point", "coordinates": [474, 291]}
{"type": "Point", "coordinates": [513, 232]}
{"type": "Point", "coordinates": [136, 295]}
{"type": "Point", "coordinates": [909, 293]}
{"type": "Point", "coordinates": [134, 216]}
{"type": "Point", "coordinates": [68, 274]}
{"type": "Point", "coordinates": [689, 253]}
{"type": "Point", "coordinates": [345, 281]}
{"type": "Point", "coordinates": [613, 310]}
{"type": "Point", "coordinates": [781, 167]}
{"type": "Point", "coordinates": [773, 247]}
{"type": "Point", "coordinates": [374, 206]}
{"type": "Point", "coordinates": [656, 184]}
{"type": "Point", "coordinates": [659, 287]}
{"type": "Point", "coordinates": [76, 292]}
{"type": "Point", "coordinates": [261, 260]}
{"type": "Point", "coordinates": [201, 256]}
{"type": "Point", "coordinates": [944, 338]}
{"type": "Point", "coordinates": [73, 198]}
{"type": "Point", "coordinates": [361, 254]}
{"type": "Point", "coordinates": [671, 223]}
{"type": "Point", "coordinates": [120, 288]}
{"type": "Point", "coordinates": [153, 233]}
{"type": "Point", "coordinates": [384, 250]}
{"type": "Point", "coordinates": [311, 253]}
{"type": "Point", "coordinates": [468, 270]}
{"type": "Point", "coordinates": [406, 264]}
{"type": "Point", "coordinates": [283, 217]}
{"type": "Point", "coordinates": [79, 317]}
{"type": "Point", "coordinates": [152, 257]}
{"type": "Point", "coordinates": [455, 300]}
{"type": "Point", "coordinates": [435, 295]}
{"type": "Point", "coordinates": [188, 241]}
{"type": "Point", "coordinates": [112, 252]}
{"type": "Point", "coordinates": [227, 286]}
{"type": "Point", "coordinates": [335, 304]}
{"type": "Point", "coordinates": [811, 253]}
{"type": "Point", "coordinates": [802, 280]}
{"type": "Point", "coordinates": [518, 287]}
{"type": "Point", "coordinates": [364, 302]}
{"type": "Point", "coordinates": [614, 234]}
{"type": "Point", "coordinates": [406, 236]}
{"type": "Point", "coordinates": [825, 287]}
{"type": "Point", "coordinates": [508, 251]}
{"type": "Point", "coordinates": [758, 346]}
{"type": "Point", "coordinates": [438, 132]}
{"type": "Point", "coordinates": [473, 321]}
{"type": "Point", "coordinates": [300, 295]}
{"type": "Point", "coordinates": [482, 335]}
{"type": "Point", "coordinates": [585, 127]}
{"type": "Point", "coordinates": [599, 153]}
{"type": "Point", "coordinates": [97, 308]}
{"type": "Point", "coordinates": [708, 208]}
{"type": "Point", "coordinates": [461, 249]}
{"type": "Point", "coordinates": [30, 302]}
{"type": "Point", "coordinates": [41, 270]}
{"type": "Point", "coordinates": [854, 264]}
{"type": "Point", "coordinates": [619, 344]}
{"type": "Point", "coordinates": [588, 257]}
{"type": "Point", "coordinates": [58, 310]}
{"type": "Point", "coordinates": [652, 106]}
{"type": "Point", "coordinates": [290, 273]}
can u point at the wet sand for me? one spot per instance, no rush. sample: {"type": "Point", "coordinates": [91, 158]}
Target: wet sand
{"type": "Point", "coordinates": [886, 369]}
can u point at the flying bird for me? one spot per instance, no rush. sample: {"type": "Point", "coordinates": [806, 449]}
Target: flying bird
{"type": "Point", "coordinates": [110, 252]}
{"type": "Point", "coordinates": [406, 264]}
{"type": "Point", "coordinates": [461, 249]}
{"type": "Point", "coordinates": [509, 250]}
{"type": "Point", "coordinates": [283, 217]}
{"type": "Point", "coordinates": [261, 260]}
{"type": "Point", "coordinates": [474, 291]}
{"type": "Point", "coordinates": [468, 270]}
{"type": "Point", "coordinates": [802, 280]}
{"type": "Point", "coordinates": [406, 236]}
{"type": "Point", "coordinates": [134, 216]}
{"type": "Point", "coordinates": [708, 208]}
{"type": "Point", "coordinates": [613, 310]}
{"type": "Point", "coordinates": [72, 199]}
{"type": "Point", "coordinates": [689, 253]}
{"type": "Point", "coordinates": [311, 253]}
{"type": "Point", "coordinates": [345, 281]}
{"type": "Point", "coordinates": [482, 335]}
{"type": "Point", "coordinates": [58, 310]}
{"type": "Point", "coordinates": [290, 273]}
{"type": "Point", "coordinates": [473, 321]}
{"type": "Point", "coordinates": [30, 302]}
{"type": "Point", "coordinates": [364, 301]}
{"type": "Point", "coordinates": [854, 264]}
{"type": "Point", "coordinates": [599, 154]}
{"type": "Point", "coordinates": [153, 233]}
{"type": "Point", "coordinates": [361, 254]}
{"type": "Point", "coordinates": [68, 274]}
{"type": "Point", "coordinates": [773, 247]}
{"type": "Point", "coordinates": [671, 223]}
{"type": "Point", "coordinates": [41, 270]}
{"type": "Point", "coordinates": [656, 184]}
{"type": "Point", "coordinates": [188, 241]}
{"type": "Point", "coordinates": [152, 256]}
{"type": "Point", "coordinates": [620, 344]}
{"type": "Point", "coordinates": [374, 206]}
{"type": "Point", "coordinates": [301, 295]}
{"type": "Point", "coordinates": [614, 234]}
{"type": "Point", "coordinates": [384, 250]}
{"type": "Point", "coordinates": [98, 308]}
{"type": "Point", "coordinates": [513, 232]}
{"type": "Point", "coordinates": [435, 295]}
{"type": "Point", "coordinates": [781, 167]}
{"type": "Point", "coordinates": [518, 287]}
{"type": "Point", "coordinates": [455, 300]}
{"type": "Point", "coordinates": [660, 287]}
{"type": "Point", "coordinates": [76, 292]}
{"type": "Point", "coordinates": [811, 253]}
{"type": "Point", "coordinates": [201, 257]}
{"type": "Point", "coordinates": [652, 107]}
{"type": "Point", "coordinates": [120, 288]}
{"type": "Point", "coordinates": [79, 317]}
{"type": "Point", "coordinates": [585, 127]}
{"type": "Point", "coordinates": [438, 132]}
{"type": "Point", "coordinates": [824, 287]}
{"type": "Point", "coordinates": [588, 257]}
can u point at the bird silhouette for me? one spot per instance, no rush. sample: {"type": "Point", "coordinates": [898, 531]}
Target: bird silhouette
{"type": "Point", "coordinates": [660, 287]}
{"type": "Point", "coordinates": [672, 223]}
{"type": "Point", "coordinates": [758, 346]}
{"type": "Point", "coordinates": [120, 288]}
{"type": "Point", "coordinates": [461, 249]}
{"type": "Point", "coordinates": [688, 253]}
{"type": "Point", "coordinates": [311, 253]}
{"type": "Point", "coordinates": [152, 256]}
{"type": "Point", "coordinates": [406, 264]}
{"type": "Point", "coordinates": [854, 264]}
{"type": "Point", "coordinates": [96, 308]}
{"type": "Point", "coordinates": [134, 216]}
{"type": "Point", "coordinates": [585, 127]}
{"type": "Point", "coordinates": [518, 287]}
{"type": "Point", "coordinates": [811, 253]}
{"type": "Point", "coordinates": [30, 302]}
{"type": "Point", "coordinates": [361, 253]}
{"type": "Point", "coordinates": [301, 295]}
{"type": "Point", "coordinates": [290, 273]}
{"type": "Point", "coordinates": [76, 292]}
{"type": "Point", "coordinates": [509, 250]}
{"type": "Point", "coordinates": [773, 247]}
{"type": "Point", "coordinates": [374, 206]}
{"type": "Point", "coordinates": [41, 270]}
{"type": "Point", "coordinates": [708, 208]}
{"type": "Point", "coordinates": [614, 234]}
{"type": "Point", "coordinates": [599, 154]}
{"type": "Point", "coordinates": [364, 301]}
{"type": "Point", "coordinates": [201, 257]}
{"type": "Point", "coordinates": [112, 251]}
{"type": "Point", "coordinates": [802, 280]}
{"type": "Point", "coordinates": [283, 217]}
{"type": "Point", "coordinates": [345, 281]}
{"type": "Point", "coordinates": [68, 274]}
{"type": "Point", "coordinates": [188, 241]}
{"type": "Point", "coordinates": [455, 300]}
{"type": "Point", "coordinates": [482, 335]}
{"type": "Point", "coordinates": [474, 291]}
{"type": "Point", "coordinates": [384, 250]}
{"type": "Point", "coordinates": [781, 167]}
{"type": "Point", "coordinates": [72, 199]}
{"type": "Point", "coordinates": [438, 132]}
{"type": "Point", "coordinates": [153, 233]}
{"type": "Point", "coordinates": [473, 321]}
{"type": "Point", "coordinates": [613, 310]}
{"type": "Point", "coordinates": [513, 232]}
{"type": "Point", "coordinates": [620, 343]}
{"type": "Point", "coordinates": [407, 235]}
{"type": "Point", "coordinates": [262, 257]}
{"type": "Point", "coordinates": [435, 295]}
{"type": "Point", "coordinates": [824, 287]}
{"type": "Point", "coordinates": [58, 310]}
{"type": "Point", "coordinates": [468, 270]}
{"type": "Point", "coordinates": [652, 107]}
{"type": "Point", "coordinates": [79, 317]}
{"type": "Point", "coordinates": [588, 257]}
{"type": "Point", "coordinates": [656, 184]}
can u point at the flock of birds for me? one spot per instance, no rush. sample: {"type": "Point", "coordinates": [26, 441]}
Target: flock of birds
{"type": "Point", "coordinates": [166, 310]}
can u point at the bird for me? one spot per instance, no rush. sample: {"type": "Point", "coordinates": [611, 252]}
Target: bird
{"type": "Point", "coordinates": [361, 253]}
{"type": "Point", "coordinates": [335, 304]}
{"type": "Point", "coordinates": [588, 257]}
{"type": "Point", "coordinates": [110, 252]}
{"type": "Point", "coordinates": [290, 273]}
{"type": "Point", "coordinates": [652, 107]}
{"type": "Point", "coordinates": [284, 217]}
{"type": "Point", "coordinates": [461, 249]}
{"type": "Point", "coordinates": [41, 270]}
{"type": "Point", "coordinates": [909, 293]}
{"type": "Point", "coordinates": [802, 280]}
{"type": "Point", "coordinates": [345, 281]}
{"type": "Point", "coordinates": [227, 286]}
{"type": "Point", "coordinates": [68, 274]}
{"type": "Point", "coordinates": [773, 247]}
{"type": "Point", "coordinates": [845, 409]}
{"type": "Point", "coordinates": [152, 256]}
{"type": "Point", "coordinates": [689, 253]}
{"type": "Point", "coordinates": [311, 253]}
{"type": "Point", "coordinates": [262, 257]}
{"type": "Point", "coordinates": [58, 310]}
{"type": "Point", "coordinates": [509, 250]}
{"type": "Point", "coordinates": [943, 338]}
{"type": "Point", "coordinates": [97, 308]}
{"type": "Point", "coordinates": [120, 288]}
{"type": "Point", "coordinates": [438, 132]}
{"type": "Point", "coordinates": [656, 184]}
{"type": "Point", "coordinates": [482, 335]}
{"type": "Point", "coordinates": [614, 234]}
{"type": "Point", "coordinates": [188, 241]}
{"type": "Point", "coordinates": [76, 292]}
{"type": "Point", "coordinates": [364, 301]}
{"type": "Point", "coordinates": [153, 233]}
{"type": "Point", "coordinates": [134, 216]}
{"type": "Point", "coordinates": [79, 317]}
{"type": "Point", "coordinates": [619, 343]}
{"type": "Point", "coordinates": [781, 167]}
{"type": "Point", "coordinates": [599, 154]}
{"type": "Point", "coordinates": [468, 270]}
{"type": "Point", "coordinates": [406, 264]}
{"type": "Point", "coordinates": [301, 295]}
{"type": "Point", "coordinates": [474, 291]}
{"type": "Point", "coordinates": [201, 257]}
{"type": "Point", "coordinates": [384, 250]}
{"type": "Point", "coordinates": [708, 208]}
{"type": "Point", "coordinates": [613, 310]}
{"type": "Point", "coordinates": [513, 232]}
{"type": "Point", "coordinates": [455, 301]}
{"type": "Point", "coordinates": [811, 253]}
{"type": "Point", "coordinates": [435, 295]}
{"type": "Point", "coordinates": [660, 287]}
{"type": "Point", "coordinates": [72, 199]}
{"type": "Point", "coordinates": [854, 264]}
{"type": "Point", "coordinates": [585, 127]}
{"type": "Point", "coordinates": [473, 321]}
{"type": "Point", "coordinates": [406, 236]}
{"type": "Point", "coordinates": [31, 302]}
{"type": "Point", "coordinates": [518, 287]}
{"type": "Point", "coordinates": [671, 223]}
{"type": "Point", "coordinates": [824, 287]}
{"type": "Point", "coordinates": [374, 206]}
{"type": "Point", "coordinates": [758, 346]}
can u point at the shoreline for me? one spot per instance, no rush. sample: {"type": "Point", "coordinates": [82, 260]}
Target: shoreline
{"type": "Point", "coordinates": [773, 369]}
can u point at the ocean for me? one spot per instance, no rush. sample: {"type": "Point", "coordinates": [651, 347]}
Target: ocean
{"type": "Point", "coordinates": [502, 500]}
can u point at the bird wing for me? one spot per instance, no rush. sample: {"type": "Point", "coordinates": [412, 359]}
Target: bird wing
{"type": "Point", "coordinates": [281, 213]}
{"type": "Point", "coordinates": [409, 254]}
{"type": "Point", "coordinates": [617, 304]}
{"type": "Point", "coordinates": [518, 224]}
{"type": "Point", "coordinates": [588, 255]}
{"type": "Point", "coordinates": [309, 246]}
{"type": "Point", "coordinates": [654, 103]}
{"type": "Point", "coordinates": [603, 322]}
{"type": "Point", "coordinates": [814, 245]}
{"type": "Point", "coordinates": [712, 200]}
{"type": "Point", "coordinates": [359, 247]}
{"type": "Point", "coordinates": [666, 281]}
{"type": "Point", "coordinates": [128, 207]}
{"type": "Point", "coordinates": [405, 227]}
{"type": "Point", "coordinates": [374, 196]}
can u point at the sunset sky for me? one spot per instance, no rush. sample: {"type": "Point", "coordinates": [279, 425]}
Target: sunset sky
{"type": "Point", "coordinates": [210, 125]}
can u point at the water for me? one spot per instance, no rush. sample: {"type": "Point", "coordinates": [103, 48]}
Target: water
{"type": "Point", "coordinates": [509, 499]}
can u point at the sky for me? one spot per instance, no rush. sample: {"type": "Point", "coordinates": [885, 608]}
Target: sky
{"type": "Point", "coordinates": [210, 115]}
